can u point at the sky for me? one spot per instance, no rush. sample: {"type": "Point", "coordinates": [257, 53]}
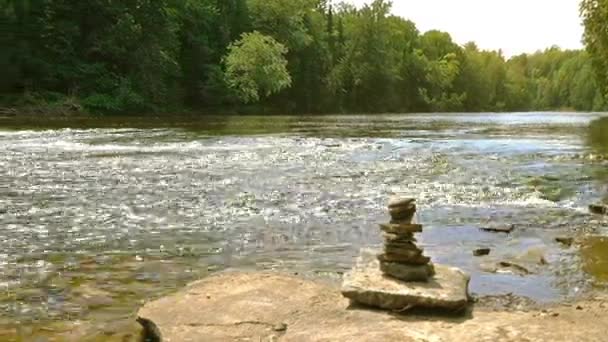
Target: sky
{"type": "Point", "coordinates": [515, 26]}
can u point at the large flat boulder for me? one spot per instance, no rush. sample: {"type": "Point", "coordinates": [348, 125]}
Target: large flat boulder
{"type": "Point", "coordinates": [367, 285]}
{"type": "Point", "coordinates": [277, 307]}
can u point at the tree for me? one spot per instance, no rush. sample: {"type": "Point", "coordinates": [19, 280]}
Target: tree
{"type": "Point", "coordinates": [113, 56]}
{"type": "Point", "coordinates": [595, 17]}
{"type": "Point", "coordinates": [367, 74]}
{"type": "Point", "coordinates": [283, 20]}
{"type": "Point", "coordinates": [256, 67]}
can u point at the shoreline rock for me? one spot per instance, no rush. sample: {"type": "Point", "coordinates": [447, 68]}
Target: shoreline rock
{"type": "Point", "coordinates": [263, 306]}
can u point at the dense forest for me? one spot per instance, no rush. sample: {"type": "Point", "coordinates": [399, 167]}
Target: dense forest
{"type": "Point", "coordinates": [282, 56]}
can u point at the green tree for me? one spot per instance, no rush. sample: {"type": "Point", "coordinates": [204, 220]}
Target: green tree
{"type": "Point", "coordinates": [283, 20]}
{"type": "Point", "coordinates": [595, 17]}
{"type": "Point", "coordinates": [368, 72]}
{"type": "Point", "coordinates": [256, 67]}
{"type": "Point", "coordinates": [149, 55]}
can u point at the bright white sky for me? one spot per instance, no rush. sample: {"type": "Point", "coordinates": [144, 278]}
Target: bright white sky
{"type": "Point", "coordinates": [515, 26]}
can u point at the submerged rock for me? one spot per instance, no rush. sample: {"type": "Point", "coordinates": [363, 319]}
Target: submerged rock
{"type": "Point", "coordinates": [566, 241]}
{"type": "Point", "coordinates": [92, 297]}
{"type": "Point", "coordinates": [481, 251]}
{"type": "Point", "coordinates": [516, 268]}
{"type": "Point", "coordinates": [599, 209]}
{"type": "Point", "coordinates": [506, 228]}
{"type": "Point", "coordinates": [367, 285]}
{"type": "Point", "coordinates": [124, 330]}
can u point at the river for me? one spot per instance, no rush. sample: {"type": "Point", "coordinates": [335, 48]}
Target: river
{"type": "Point", "coordinates": [129, 209]}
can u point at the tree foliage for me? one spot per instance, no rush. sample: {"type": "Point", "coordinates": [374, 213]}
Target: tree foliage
{"type": "Point", "coordinates": [256, 67]}
{"type": "Point", "coordinates": [595, 17]}
{"type": "Point", "coordinates": [298, 56]}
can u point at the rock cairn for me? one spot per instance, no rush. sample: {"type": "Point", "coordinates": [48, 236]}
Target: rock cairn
{"type": "Point", "coordinates": [402, 259]}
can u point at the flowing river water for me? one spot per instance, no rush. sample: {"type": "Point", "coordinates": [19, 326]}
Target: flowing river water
{"type": "Point", "coordinates": [99, 215]}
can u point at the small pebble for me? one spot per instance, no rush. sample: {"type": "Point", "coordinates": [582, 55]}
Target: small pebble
{"type": "Point", "coordinates": [280, 327]}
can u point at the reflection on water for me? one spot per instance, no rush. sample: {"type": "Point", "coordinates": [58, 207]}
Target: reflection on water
{"type": "Point", "coordinates": [598, 140]}
{"type": "Point", "coordinates": [595, 257]}
{"type": "Point", "coordinates": [100, 214]}
{"type": "Point", "coordinates": [598, 135]}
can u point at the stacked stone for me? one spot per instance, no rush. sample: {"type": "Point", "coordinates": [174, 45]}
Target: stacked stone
{"type": "Point", "coordinates": [402, 258]}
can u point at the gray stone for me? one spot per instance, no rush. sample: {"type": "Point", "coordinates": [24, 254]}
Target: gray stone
{"type": "Point", "coordinates": [402, 214]}
{"type": "Point", "coordinates": [516, 268]}
{"type": "Point", "coordinates": [401, 228]}
{"type": "Point", "coordinates": [367, 285]}
{"type": "Point", "coordinates": [403, 237]}
{"type": "Point", "coordinates": [400, 202]}
{"type": "Point", "coordinates": [402, 246]}
{"type": "Point", "coordinates": [404, 258]}
{"type": "Point", "coordinates": [407, 272]}
{"type": "Point", "coordinates": [402, 221]}
{"type": "Point", "coordinates": [408, 252]}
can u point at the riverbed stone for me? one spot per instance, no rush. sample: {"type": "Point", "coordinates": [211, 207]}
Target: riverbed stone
{"type": "Point", "coordinates": [92, 297]}
{"type": "Point", "coordinates": [367, 285]}
{"type": "Point", "coordinates": [599, 209]}
{"type": "Point", "coordinates": [481, 252]}
{"type": "Point", "coordinates": [514, 268]}
{"type": "Point", "coordinates": [564, 240]}
{"type": "Point", "coordinates": [499, 228]}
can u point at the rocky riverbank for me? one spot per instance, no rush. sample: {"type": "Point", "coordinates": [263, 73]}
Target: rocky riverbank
{"type": "Point", "coordinates": [271, 307]}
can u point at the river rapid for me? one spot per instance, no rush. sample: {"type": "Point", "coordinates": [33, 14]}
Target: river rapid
{"type": "Point", "coordinates": [98, 215]}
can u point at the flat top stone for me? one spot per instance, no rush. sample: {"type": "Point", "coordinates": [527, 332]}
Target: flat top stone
{"type": "Point", "coordinates": [400, 202]}
{"type": "Point", "coordinates": [367, 285]}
